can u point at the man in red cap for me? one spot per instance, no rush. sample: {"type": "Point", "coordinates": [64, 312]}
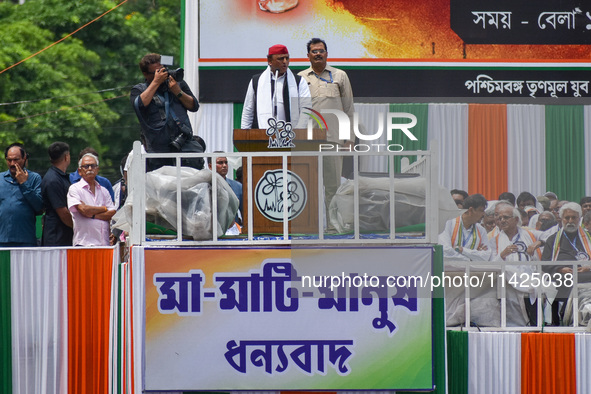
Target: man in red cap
{"type": "Point", "coordinates": [276, 94]}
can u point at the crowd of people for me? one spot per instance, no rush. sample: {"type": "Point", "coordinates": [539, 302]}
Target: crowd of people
{"type": "Point", "coordinates": [77, 208]}
{"type": "Point", "coordinates": [523, 228]}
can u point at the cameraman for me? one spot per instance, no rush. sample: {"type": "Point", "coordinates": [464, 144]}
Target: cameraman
{"type": "Point", "coordinates": [161, 104]}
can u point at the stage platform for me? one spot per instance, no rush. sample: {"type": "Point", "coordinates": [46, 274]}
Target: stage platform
{"type": "Point", "coordinates": [270, 313]}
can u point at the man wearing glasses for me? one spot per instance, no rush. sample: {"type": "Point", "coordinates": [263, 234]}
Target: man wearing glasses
{"type": "Point", "coordinates": [91, 205]}
{"type": "Point", "coordinates": [20, 200]}
{"type": "Point", "coordinates": [330, 89]}
{"type": "Point", "coordinates": [514, 242]}
{"type": "Point", "coordinates": [104, 182]}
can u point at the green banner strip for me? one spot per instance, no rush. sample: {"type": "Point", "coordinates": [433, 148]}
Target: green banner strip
{"type": "Point", "coordinates": [421, 111]}
{"type": "Point", "coordinates": [5, 324]}
{"type": "Point", "coordinates": [565, 151]}
{"type": "Point", "coordinates": [439, 325]}
{"type": "Point", "coordinates": [238, 114]}
{"type": "Point", "coordinates": [457, 361]}
{"type": "Point", "coordinates": [438, 328]}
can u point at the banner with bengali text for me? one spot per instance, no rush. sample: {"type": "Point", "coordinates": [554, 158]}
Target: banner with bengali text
{"type": "Point", "coordinates": [491, 49]}
{"type": "Point", "coordinates": [288, 319]}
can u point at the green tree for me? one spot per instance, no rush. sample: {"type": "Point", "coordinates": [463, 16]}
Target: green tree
{"type": "Point", "coordinates": [77, 91]}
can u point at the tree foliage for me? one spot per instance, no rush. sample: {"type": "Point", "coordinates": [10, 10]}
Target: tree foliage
{"type": "Point", "coordinates": [77, 91]}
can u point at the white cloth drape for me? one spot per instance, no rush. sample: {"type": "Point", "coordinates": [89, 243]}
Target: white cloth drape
{"type": "Point", "coordinates": [120, 351]}
{"type": "Point", "coordinates": [583, 363]}
{"type": "Point", "coordinates": [39, 321]}
{"type": "Point", "coordinates": [494, 363]}
{"type": "Point", "coordinates": [448, 124]}
{"type": "Point", "coordinates": [587, 122]}
{"type": "Point", "coordinates": [216, 126]}
{"type": "Point", "coordinates": [526, 149]}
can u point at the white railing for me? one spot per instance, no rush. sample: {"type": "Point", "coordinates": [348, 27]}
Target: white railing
{"type": "Point", "coordinates": [496, 275]}
{"type": "Point", "coordinates": [137, 190]}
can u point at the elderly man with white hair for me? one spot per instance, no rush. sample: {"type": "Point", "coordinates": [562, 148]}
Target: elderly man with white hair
{"type": "Point", "coordinates": [488, 220]}
{"type": "Point", "coordinates": [91, 206]}
{"type": "Point", "coordinates": [514, 242]}
{"type": "Point", "coordinates": [570, 243]}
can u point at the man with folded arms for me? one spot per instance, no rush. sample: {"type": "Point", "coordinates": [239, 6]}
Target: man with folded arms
{"type": "Point", "coordinates": [463, 237]}
{"type": "Point", "coordinates": [91, 206]}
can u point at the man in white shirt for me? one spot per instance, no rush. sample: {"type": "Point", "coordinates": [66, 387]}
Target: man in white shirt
{"type": "Point", "coordinates": [276, 95]}
{"type": "Point", "coordinates": [91, 206]}
{"type": "Point", "coordinates": [463, 237]}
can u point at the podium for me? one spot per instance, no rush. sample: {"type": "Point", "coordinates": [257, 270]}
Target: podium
{"type": "Point", "coordinates": [267, 182]}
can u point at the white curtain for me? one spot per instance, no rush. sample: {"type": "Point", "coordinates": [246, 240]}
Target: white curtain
{"type": "Point", "coordinates": [494, 363]}
{"type": "Point", "coordinates": [526, 149]}
{"type": "Point", "coordinates": [216, 126]}
{"type": "Point", "coordinates": [120, 344]}
{"type": "Point", "coordinates": [114, 350]}
{"type": "Point", "coordinates": [583, 363]}
{"type": "Point", "coordinates": [39, 320]}
{"type": "Point", "coordinates": [448, 124]}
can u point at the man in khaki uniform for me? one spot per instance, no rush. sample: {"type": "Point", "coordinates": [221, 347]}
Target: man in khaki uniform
{"type": "Point", "coordinates": [330, 89]}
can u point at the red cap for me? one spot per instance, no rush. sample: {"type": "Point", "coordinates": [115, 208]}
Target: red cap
{"type": "Point", "coordinates": [278, 50]}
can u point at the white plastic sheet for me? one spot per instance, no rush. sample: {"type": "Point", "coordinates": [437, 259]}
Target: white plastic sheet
{"type": "Point", "coordinates": [374, 204]}
{"type": "Point", "coordinates": [196, 202]}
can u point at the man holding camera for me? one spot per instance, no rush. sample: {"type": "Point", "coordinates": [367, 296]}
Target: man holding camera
{"type": "Point", "coordinates": [161, 104]}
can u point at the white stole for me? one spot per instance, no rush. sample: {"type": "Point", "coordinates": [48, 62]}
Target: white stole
{"type": "Point", "coordinates": [265, 99]}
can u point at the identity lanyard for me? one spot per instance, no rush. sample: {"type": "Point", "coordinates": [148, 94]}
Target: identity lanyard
{"type": "Point", "coordinates": [583, 235]}
{"type": "Point", "coordinates": [471, 233]}
{"type": "Point", "coordinates": [322, 79]}
{"type": "Point", "coordinates": [573, 244]}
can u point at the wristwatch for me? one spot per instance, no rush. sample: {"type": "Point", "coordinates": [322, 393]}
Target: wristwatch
{"type": "Point", "coordinates": [180, 94]}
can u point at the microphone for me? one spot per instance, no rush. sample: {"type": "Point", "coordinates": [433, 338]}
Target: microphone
{"type": "Point", "coordinates": [275, 94]}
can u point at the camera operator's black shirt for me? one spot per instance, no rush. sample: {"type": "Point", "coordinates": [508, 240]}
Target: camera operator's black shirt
{"type": "Point", "coordinates": [152, 117]}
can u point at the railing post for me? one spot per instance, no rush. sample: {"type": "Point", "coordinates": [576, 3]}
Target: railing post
{"type": "Point", "coordinates": [356, 196]}
{"type": "Point", "coordinates": [285, 200]}
{"type": "Point", "coordinates": [432, 198]}
{"type": "Point", "coordinates": [138, 191]}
